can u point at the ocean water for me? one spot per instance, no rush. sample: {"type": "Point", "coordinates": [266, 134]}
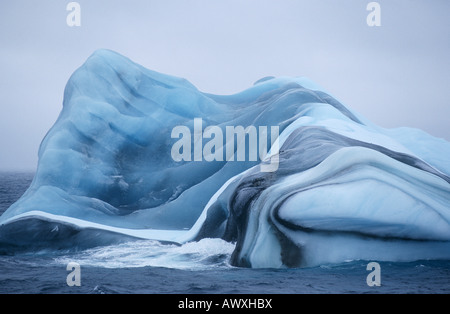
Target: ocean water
{"type": "Point", "coordinates": [194, 268]}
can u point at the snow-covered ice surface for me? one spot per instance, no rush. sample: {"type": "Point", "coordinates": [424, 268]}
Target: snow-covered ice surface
{"type": "Point", "coordinates": [345, 189]}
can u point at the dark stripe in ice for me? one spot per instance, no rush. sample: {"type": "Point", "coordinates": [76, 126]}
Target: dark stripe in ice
{"type": "Point", "coordinates": [299, 95]}
{"type": "Point", "coordinates": [240, 203]}
{"type": "Point", "coordinates": [291, 95]}
{"type": "Point", "coordinates": [305, 148]}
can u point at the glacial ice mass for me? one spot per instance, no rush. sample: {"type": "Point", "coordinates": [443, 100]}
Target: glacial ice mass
{"type": "Point", "coordinates": [344, 189]}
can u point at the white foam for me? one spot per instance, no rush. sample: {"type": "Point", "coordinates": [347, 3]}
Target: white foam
{"type": "Point", "coordinates": [201, 255]}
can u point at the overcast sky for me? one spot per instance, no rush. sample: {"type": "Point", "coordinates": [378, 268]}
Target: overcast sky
{"type": "Point", "coordinates": [397, 74]}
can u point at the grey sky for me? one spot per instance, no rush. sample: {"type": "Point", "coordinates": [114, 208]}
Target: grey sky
{"type": "Point", "coordinates": [395, 75]}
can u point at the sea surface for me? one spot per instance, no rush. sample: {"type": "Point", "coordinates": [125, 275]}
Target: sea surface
{"type": "Point", "coordinates": [194, 268]}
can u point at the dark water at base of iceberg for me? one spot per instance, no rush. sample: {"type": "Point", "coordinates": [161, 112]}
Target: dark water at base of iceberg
{"type": "Point", "coordinates": [202, 267]}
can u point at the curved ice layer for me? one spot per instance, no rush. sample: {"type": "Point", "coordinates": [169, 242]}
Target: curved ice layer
{"type": "Point", "coordinates": [343, 187]}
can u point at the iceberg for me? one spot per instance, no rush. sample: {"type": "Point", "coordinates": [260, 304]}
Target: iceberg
{"type": "Point", "coordinates": [343, 189]}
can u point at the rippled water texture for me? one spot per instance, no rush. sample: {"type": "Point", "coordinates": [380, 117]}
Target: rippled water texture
{"type": "Point", "coordinates": [197, 267]}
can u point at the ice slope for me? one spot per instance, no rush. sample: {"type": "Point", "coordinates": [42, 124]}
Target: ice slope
{"type": "Point", "coordinates": [344, 189]}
